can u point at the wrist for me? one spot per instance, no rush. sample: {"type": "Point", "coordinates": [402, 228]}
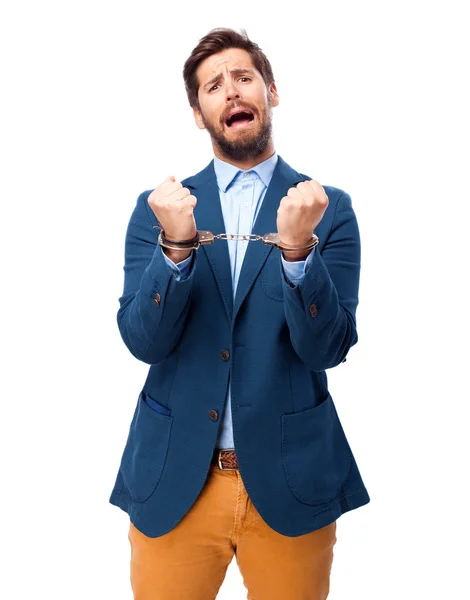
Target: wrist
{"type": "Point", "coordinates": [176, 255]}
{"type": "Point", "coordinates": [291, 257]}
{"type": "Point", "coordinates": [292, 249]}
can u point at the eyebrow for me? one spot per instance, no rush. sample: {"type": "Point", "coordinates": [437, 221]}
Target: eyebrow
{"type": "Point", "coordinates": [237, 71]}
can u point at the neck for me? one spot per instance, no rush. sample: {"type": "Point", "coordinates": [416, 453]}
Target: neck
{"type": "Point", "coordinates": [249, 162]}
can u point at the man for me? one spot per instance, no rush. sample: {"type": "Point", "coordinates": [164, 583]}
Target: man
{"type": "Point", "coordinates": [235, 446]}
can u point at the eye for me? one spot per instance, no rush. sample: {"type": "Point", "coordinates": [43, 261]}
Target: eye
{"type": "Point", "coordinates": [215, 85]}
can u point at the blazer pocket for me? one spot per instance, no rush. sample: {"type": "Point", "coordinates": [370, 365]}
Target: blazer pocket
{"type": "Point", "coordinates": [154, 405]}
{"type": "Point", "coordinates": [271, 277]}
{"type": "Point", "coordinates": [146, 450]}
{"type": "Point", "coordinates": [315, 453]}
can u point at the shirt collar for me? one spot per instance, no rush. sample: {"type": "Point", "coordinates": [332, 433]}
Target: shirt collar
{"type": "Point", "coordinates": [226, 172]}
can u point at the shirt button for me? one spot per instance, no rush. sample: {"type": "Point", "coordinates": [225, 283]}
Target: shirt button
{"type": "Point", "coordinates": [225, 355]}
{"type": "Point", "coordinates": [157, 299]}
{"type": "Point", "coordinates": [214, 415]}
{"type": "Point", "coordinates": [246, 204]}
{"type": "Point", "coordinates": [313, 310]}
{"type": "Point", "coordinates": [246, 175]}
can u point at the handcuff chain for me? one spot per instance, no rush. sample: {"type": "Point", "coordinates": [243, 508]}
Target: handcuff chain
{"type": "Point", "coordinates": [249, 237]}
{"type": "Point", "coordinates": [207, 237]}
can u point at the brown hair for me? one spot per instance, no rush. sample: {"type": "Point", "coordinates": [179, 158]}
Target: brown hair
{"type": "Point", "coordinates": [218, 39]}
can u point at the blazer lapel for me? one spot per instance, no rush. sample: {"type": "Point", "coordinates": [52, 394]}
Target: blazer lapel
{"type": "Point", "coordinates": [209, 216]}
{"type": "Point", "coordinates": [282, 179]}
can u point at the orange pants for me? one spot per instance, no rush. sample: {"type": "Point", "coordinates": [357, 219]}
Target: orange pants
{"type": "Point", "coordinates": [190, 561]}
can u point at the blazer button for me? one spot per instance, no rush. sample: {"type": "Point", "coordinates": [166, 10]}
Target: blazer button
{"type": "Point", "coordinates": [157, 299]}
{"type": "Point", "coordinates": [225, 355]}
{"type": "Point", "coordinates": [313, 310]}
{"type": "Point", "coordinates": [214, 415]}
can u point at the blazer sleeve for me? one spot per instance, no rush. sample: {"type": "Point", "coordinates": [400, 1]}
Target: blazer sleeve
{"type": "Point", "coordinates": [321, 310]}
{"type": "Point", "coordinates": [154, 304]}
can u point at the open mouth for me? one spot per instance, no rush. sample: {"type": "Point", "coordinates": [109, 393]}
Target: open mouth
{"type": "Point", "coordinates": [240, 119]}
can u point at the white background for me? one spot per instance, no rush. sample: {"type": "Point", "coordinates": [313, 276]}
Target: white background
{"type": "Point", "coordinates": [373, 100]}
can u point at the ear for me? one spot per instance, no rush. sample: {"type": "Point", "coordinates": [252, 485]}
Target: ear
{"type": "Point", "coordinates": [272, 91]}
{"type": "Point", "coordinates": [198, 118]}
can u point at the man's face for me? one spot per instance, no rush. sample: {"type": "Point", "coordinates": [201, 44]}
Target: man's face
{"type": "Point", "coordinates": [228, 81]}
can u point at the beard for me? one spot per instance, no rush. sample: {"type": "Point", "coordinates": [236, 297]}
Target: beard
{"type": "Point", "coordinates": [248, 144]}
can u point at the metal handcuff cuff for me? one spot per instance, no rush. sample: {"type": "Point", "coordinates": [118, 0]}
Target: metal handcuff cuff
{"type": "Point", "coordinates": [207, 237]}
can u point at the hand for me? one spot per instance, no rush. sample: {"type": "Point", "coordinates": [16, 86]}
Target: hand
{"type": "Point", "coordinates": [173, 206]}
{"type": "Point", "coordinates": [300, 212]}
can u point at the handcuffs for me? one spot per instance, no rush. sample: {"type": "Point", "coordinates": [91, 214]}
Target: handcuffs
{"type": "Point", "coordinates": [207, 237]}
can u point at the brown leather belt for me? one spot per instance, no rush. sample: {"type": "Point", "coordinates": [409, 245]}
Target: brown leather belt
{"type": "Point", "coordinates": [225, 458]}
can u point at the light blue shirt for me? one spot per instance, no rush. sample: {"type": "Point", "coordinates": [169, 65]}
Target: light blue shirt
{"type": "Point", "coordinates": [241, 195]}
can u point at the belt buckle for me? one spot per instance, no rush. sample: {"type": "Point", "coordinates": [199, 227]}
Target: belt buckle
{"type": "Point", "coordinates": [219, 460]}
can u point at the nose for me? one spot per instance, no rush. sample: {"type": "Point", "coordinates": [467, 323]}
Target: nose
{"type": "Point", "coordinates": [231, 91]}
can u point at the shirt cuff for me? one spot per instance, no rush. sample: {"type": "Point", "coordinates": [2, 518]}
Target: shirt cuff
{"type": "Point", "coordinates": [294, 271]}
{"type": "Point", "coordinates": [181, 270]}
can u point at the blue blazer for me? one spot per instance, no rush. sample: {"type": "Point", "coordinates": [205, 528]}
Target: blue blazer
{"type": "Point", "coordinates": [293, 455]}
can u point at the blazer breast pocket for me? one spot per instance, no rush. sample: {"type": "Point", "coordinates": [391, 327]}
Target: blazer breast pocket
{"type": "Point", "coordinates": [271, 276]}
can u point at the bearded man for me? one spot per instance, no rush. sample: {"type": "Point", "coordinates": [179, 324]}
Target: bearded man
{"type": "Point", "coordinates": [240, 291]}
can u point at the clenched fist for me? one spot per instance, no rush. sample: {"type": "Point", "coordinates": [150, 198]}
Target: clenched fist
{"type": "Point", "coordinates": [173, 206]}
{"type": "Point", "coordinates": [300, 212]}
